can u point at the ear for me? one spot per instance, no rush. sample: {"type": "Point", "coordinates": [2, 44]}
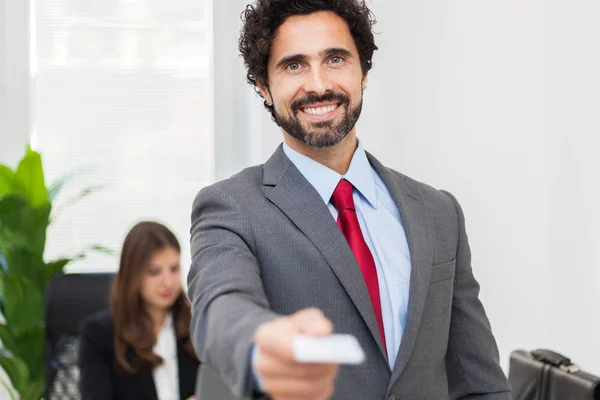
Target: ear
{"type": "Point", "coordinates": [365, 79]}
{"type": "Point", "coordinates": [264, 91]}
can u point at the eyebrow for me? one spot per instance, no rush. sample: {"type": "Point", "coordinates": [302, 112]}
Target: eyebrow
{"type": "Point", "coordinates": [336, 51]}
{"type": "Point", "coordinates": [303, 57]}
{"type": "Point", "coordinates": [154, 266]}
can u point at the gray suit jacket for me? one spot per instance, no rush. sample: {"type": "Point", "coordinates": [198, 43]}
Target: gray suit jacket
{"type": "Point", "coordinates": [264, 244]}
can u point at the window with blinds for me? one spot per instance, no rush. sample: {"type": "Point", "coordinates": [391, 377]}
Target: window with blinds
{"type": "Point", "coordinates": [121, 101]}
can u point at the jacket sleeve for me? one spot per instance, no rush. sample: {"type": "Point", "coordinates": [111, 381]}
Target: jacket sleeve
{"type": "Point", "coordinates": [225, 288]}
{"type": "Point", "coordinates": [94, 366]}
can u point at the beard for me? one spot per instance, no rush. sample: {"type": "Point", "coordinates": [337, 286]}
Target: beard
{"type": "Point", "coordinates": [324, 133]}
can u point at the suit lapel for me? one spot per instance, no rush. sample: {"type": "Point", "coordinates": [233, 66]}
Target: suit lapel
{"type": "Point", "coordinates": [188, 369]}
{"type": "Point", "coordinates": [416, 224]}
{"type": "Point", "coordinates": [287, 188]}
{"type": "Point", "coordinates": [146, 386]}
{"type": "Point", "coordinates": [141, 383]}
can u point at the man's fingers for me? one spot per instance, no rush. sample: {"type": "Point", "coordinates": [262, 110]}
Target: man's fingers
{"type": "Point", "coordinates": [311, 321]}
{"type": "Point", "coordinates": [276, 337]}
{"type": "Point", "coordinates": [266, 365]}
{"type": "Point", "coordinates": [282, 377]}
{"type": "Point", "coordinates": [296, 388]}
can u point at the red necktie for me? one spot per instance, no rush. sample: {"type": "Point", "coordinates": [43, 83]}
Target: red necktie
{"type": "Point", "coordinates": [348, 222]}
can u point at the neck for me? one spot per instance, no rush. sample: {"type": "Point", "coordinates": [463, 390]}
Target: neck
{"type": "Point", "coordinates": [336, 157]}
{"type": "Point", "coordinates": [158, 317]}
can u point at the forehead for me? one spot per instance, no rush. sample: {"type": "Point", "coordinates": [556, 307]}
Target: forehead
{"type": "Point", "coordinates": [164, 256]}
{"type": "Point", "coordinates": [311, 34]}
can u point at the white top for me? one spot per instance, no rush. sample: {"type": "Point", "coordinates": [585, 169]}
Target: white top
{"type": "Point", "coordinates": [166, 375]}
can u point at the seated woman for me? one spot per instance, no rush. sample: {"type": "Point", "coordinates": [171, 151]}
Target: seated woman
{"type": "Point", "coordinates": [141, 348]}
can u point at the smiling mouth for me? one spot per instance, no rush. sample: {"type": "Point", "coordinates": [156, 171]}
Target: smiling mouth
{"type": "Point", "coordinates": [322, 111]}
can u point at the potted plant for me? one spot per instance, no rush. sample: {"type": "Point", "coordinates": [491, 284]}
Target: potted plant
{"type": "Point", "coordinates": [25, 210]}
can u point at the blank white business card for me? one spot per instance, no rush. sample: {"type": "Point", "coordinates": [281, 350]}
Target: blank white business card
{"type": "Point", "coordinates": [332, 349]}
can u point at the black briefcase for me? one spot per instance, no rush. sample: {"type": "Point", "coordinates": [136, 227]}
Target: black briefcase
{"type": "Point", "coordinates": [546, 375]}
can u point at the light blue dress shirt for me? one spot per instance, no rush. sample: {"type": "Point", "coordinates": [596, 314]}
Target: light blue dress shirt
{"type": "Point", "coordinates": [382, 228]}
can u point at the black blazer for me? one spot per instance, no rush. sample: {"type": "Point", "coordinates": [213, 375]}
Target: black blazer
{"type": "Point", "coordinates": [103, 379]}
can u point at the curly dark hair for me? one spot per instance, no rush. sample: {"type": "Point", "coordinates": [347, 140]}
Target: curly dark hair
{"type": "Point", "coordinates": [261, 21]}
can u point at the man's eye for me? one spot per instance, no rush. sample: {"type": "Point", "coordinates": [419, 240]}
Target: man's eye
{"type": "Point", "coordinates": [336, 60]}
{"type": "Point", "coordinates": [293, 67]}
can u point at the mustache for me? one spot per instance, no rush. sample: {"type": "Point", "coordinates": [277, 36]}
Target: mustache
{"type": "Point", "coordinates": [313, 98]}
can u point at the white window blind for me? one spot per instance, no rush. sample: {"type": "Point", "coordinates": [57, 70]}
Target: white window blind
{"type": "Point", "coordinates": [121, 96]}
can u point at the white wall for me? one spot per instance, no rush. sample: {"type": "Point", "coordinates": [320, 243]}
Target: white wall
{"type": "Point", "coordinates": [498, 103]}
{"type": "Point", "coordinates": [244, 133]}
{"type": "Point", "coordinates": [14, 81]}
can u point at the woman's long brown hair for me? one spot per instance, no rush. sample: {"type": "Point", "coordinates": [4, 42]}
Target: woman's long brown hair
{"type": "Point", "coordinates": [134, 336]}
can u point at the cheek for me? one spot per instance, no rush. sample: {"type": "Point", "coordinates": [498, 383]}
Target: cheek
{"type": "Point", "coordinates": [148, 286]}
{"type": "Point", "coordinates": [177, 279]}
{"type": "Point", "coordinates": [284, 93]}
{"type": "Point", "coordinates": [350, 82]}
{"type": "Point", "coordinates": [282, 102]}
{"type": "Point", "coordinates": [353, 89]}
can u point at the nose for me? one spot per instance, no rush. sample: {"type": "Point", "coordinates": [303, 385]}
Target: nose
{"type": "Point", "coordinates": [169, 279]}
{"type": "Point", "coordinates": [318, 81]}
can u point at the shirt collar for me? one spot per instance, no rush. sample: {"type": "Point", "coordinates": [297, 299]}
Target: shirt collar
{"type": "Point", "coordinates": [360, 174]}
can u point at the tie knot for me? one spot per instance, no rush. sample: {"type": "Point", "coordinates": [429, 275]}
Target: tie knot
{"type": "Point", "coordinates": [342, 196]}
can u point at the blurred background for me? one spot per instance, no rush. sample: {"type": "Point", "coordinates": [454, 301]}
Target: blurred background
{"type": "Point", "coordinates": [495, 101]}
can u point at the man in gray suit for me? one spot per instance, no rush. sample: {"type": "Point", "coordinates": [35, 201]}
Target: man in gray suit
{"type": "Point", "coordinates": [323, 238]}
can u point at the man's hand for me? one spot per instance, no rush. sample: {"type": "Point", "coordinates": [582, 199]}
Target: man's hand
{"type": "Point", "coordinates": [282, 377]}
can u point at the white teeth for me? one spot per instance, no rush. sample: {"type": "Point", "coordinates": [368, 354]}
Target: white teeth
{"type": "Point", "coordinates": [320, 110]}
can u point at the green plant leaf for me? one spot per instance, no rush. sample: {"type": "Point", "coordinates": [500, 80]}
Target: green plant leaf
{"type": "Point", "coordinates": [16, 370]}
{"type": "Point", "coordinates": [34, 389]}
{"type": "Point", "coordinates": [10, 239]}
{"type": "Point", "coordinates": [98, 249]}
{"type": "Point", "coordinates": [27, 265]}
{"type": "Point", "coordinates": [73, 200]}
{"type": "Point", "coordinates": [101, 249]}
{"type": "Point", "coordinates": [55, 266]}
{"type": "Point", "coordinates": [88, 190]}
{"type": "Point", "coordinates": [30, 176]}
{"type": "Point", "coordinates": [7, 178]}
{"type": "Point", "coordinates": [30, 347]}
{"type": "Point", "coordinates": [8, 339]}
{"type": "Point", "coordinates": [23, 303]}
{"type": "Point", "coordinates": [54, 190]}
{"type": "Point", "coordinates": [22, 226]}
{"type": "Point", "coordinates": [55, 187]}
{"type": "Point", "coordinates": [9, 389]}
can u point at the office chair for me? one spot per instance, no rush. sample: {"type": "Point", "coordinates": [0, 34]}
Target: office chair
{"type": "Point", "coordinates": [69, 299]}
